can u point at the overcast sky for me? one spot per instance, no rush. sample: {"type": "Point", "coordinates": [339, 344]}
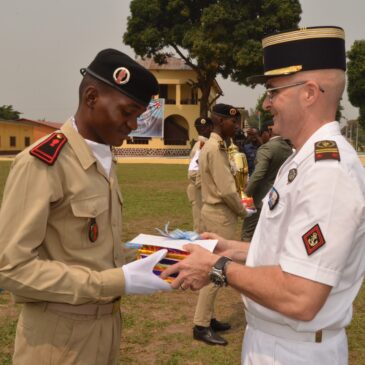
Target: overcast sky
{"type": "Point", "coordinates": [44, 43]}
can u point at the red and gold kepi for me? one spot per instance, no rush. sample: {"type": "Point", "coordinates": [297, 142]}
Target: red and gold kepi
{"type": "Point", "coordinates": [303, 49]}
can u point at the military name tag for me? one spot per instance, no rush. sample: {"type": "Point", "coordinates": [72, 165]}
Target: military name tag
{"type": "Point", "coordinates": [93, 230]}
{"type": "Point", "coordinates": [273, 198]}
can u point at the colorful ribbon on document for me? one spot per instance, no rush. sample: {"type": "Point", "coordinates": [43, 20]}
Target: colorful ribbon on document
{"type": "Point", "coordinates": [178, 234]}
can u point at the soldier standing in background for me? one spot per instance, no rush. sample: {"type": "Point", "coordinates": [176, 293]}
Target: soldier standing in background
{"type": "Point", "coordinates": [269, 157]}
{"type": "Point", "coordinates": [221, 208]}
{"type": "Point", "coordinates": [204, 127]}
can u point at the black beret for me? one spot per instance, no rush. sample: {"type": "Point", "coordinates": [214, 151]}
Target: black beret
{"type": "Point", "coordinates": [202, 121]}
{"type": "Point", "coordinates": [124, 74]}
{"type": "Point", "coordinates": [304, 49]}
{"type": "Point", "coordinates": [226, 111]}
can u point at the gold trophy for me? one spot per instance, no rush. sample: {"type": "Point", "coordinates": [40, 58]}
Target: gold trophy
{"type": "Point", "coordinates": [239, 168]}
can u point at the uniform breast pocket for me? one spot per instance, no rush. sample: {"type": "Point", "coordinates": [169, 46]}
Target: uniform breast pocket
{"type": "Point", "coordinates": [89, 221]}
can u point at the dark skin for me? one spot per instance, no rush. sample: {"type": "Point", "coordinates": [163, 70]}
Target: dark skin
{"type": "Point", "coordinates": [205, 130]}
{"type": "Point", "coordinates": [105, 115]}
{"type": "Point", "coordinates": [225, 127]}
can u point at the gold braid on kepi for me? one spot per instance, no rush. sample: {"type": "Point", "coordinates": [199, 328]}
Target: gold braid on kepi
{"type": "Point", "coordinates": [303, 49]}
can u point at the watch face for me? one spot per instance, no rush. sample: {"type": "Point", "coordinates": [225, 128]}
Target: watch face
{"type": "Point", "coordinates": [216, 278]}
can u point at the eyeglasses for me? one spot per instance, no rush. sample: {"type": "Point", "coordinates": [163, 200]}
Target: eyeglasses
{"type": "Point", "coordinates": [273, 91]}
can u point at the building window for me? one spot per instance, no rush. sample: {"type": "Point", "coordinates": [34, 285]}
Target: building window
{"type": "Point", "coordinates": [163, 91]}
{"type": "Point", "coordinates": [138, 140]}
{"type": "Point", "coordinates": [26, 141]}
{"type": "Point", "coordinates": [12, 141]}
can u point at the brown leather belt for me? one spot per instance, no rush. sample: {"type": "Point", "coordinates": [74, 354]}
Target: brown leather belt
{"type": "Point", "coordinates": [85, 309]}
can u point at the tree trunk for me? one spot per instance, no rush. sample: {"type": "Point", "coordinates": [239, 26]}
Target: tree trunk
{"type": "Point", "coordinates": [205, 87]}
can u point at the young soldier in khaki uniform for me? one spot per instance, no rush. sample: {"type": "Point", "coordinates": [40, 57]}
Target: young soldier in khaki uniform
{"type": "Point", "coordinates": [204, 127]}
{"type": "Point", "coordinates": [269, 157]}
{"type": "Point", "coordinates": [221, 207]}
{"type": "Point", "coordinates": [60, 225]}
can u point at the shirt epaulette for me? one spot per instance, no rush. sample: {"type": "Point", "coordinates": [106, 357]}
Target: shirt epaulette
{"type": "Point", "coordinates": [49, 149]}
{"type": "Point", "coordinates": [326, 150]}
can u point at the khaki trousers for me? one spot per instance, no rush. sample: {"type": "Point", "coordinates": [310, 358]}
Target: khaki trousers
{"type": "Point", "coordinates": [48, 337]}
{"type": "Point", "coordinates": [221, 220]}
{"type": "Point", "coordinates": [195, 198]}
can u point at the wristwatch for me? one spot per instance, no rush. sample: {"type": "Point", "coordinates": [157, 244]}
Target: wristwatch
{"type": "Point", "coordinates": [218, 273]}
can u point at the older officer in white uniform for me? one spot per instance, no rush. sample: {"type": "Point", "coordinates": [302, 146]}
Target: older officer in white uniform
{"type": "Point", "coordinates": [306, 261]}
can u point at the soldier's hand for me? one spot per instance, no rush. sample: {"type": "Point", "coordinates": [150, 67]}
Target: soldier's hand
{"type": "Point", "coordinates": [139, 276]}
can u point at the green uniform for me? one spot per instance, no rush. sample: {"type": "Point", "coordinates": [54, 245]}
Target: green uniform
{"type": "Point", "coordinates": [269, 157]}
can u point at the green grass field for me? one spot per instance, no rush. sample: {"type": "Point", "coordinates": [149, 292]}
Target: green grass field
{"type": "Point", "coordinates": [157, 329]}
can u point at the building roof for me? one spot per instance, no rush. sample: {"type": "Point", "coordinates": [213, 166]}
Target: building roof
{"type": "Point", "coordinates": [54, 125]}
{"type": "Point", "coordinates": [173, 63]}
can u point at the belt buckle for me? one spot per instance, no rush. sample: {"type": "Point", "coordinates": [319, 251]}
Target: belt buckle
{"type": "Point", "coordinates": [116, 306]}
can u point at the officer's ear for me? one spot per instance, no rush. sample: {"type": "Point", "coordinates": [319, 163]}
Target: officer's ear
{"type": "Point", "coordinates": [90, 96]}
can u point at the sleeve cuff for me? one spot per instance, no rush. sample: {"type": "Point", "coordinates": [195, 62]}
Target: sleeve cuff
{"type": "Point", "coordinates": [305, 270]}
{"type": "Point", "coordinates": [113, 283]}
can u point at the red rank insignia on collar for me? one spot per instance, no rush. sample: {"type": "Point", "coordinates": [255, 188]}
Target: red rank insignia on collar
{"type": "Point", "coordinates": [49, 149]}
{"type": "Point", "coordinates": [313, 239]}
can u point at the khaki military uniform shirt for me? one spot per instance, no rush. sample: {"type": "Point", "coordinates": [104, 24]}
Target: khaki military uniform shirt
{"type": "Point", "coordinates": [218, 185]}
{"type": "Point", "coordinates": [194, 188]}
{"type": "Point", "coordinates": [45, 250]}
{"type": "Point", "coordinates": [194, 174]}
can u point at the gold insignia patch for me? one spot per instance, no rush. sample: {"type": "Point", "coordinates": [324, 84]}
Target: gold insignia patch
{"type": "Point", "coordinates": [326, 150]}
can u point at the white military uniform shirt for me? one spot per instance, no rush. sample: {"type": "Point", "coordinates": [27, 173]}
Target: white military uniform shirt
{"type": "Point", "coordinates": [316, 230]}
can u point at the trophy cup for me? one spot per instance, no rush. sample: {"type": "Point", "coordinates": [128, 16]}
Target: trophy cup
{"type": "Point", "coordinates": [239, 168]}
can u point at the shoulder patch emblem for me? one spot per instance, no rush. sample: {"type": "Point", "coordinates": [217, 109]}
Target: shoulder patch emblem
{"type": "Point", "coordinates": [326, 150]}
{"type": "Point", "coordinates": [49, 149]}
{"type": "Point", "coordinates": [313, 239]}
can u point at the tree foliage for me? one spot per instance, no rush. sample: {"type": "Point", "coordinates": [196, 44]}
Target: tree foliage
{"type": "Point", "coordinates": [356, 77]}
{"type": "Point", "coordinates": [215, 37]}
{"type": "Point", "coordinates": [8, 113]}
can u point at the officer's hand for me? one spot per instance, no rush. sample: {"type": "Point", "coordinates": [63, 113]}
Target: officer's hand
{"type": "Point", "coordinates": [193, 271]}
{"type": "Point", "coordinates": [139, 277]}
{"type": "Point", "coordinates": [222, 244]}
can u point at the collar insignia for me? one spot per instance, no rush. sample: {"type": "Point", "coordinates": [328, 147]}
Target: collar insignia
{"type": "Point", "coordinates": [326, 150]}
{"type": "Point", "coordinates": [222, 146]}
{"type": "Point", "coordinates": [273, 198]}
{"type": "Point", "coordinates": [292, 175]}
{"type": "Point", "coordinates": [313, 239]}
